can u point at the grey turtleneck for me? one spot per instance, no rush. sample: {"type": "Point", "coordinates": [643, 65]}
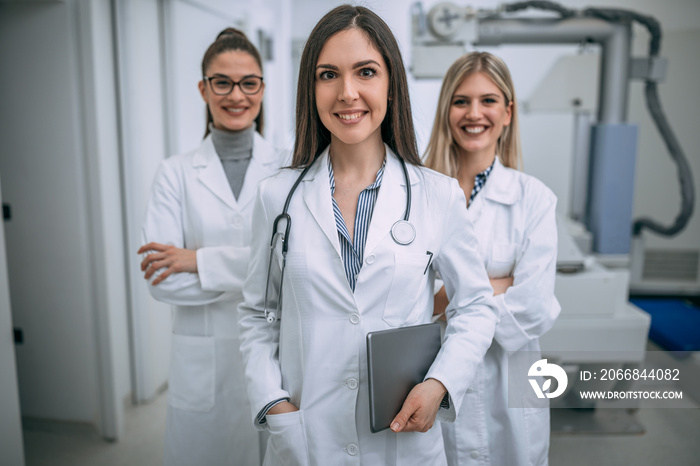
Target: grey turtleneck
{"type": "Point", "coordinates": [235, 149]}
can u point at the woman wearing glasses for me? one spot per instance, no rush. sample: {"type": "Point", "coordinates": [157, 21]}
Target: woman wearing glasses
{"type": "Point", "coordinates": [196, 240]}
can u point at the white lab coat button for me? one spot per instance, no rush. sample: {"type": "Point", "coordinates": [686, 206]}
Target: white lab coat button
{"type": "Point", "coordinates": [352, 449]}
{"type": "Point", "coordinates": [474, 454]}
{"type": "Point", "coordinates": [352, 384]}
{"type": "Point", "coordinates": [370, 259]}
{"type": "Point", "coordinates": [469, 390]}
{"type": "Point", "coordinates": [355, 318]}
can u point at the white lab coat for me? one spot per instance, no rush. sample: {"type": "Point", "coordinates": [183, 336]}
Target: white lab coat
{"type": "Point", "coordinates": [192, 206]}
{"type": "Point", "coordinates": [316, 353]}
{"type": "Point", "coordinates": [514, 221]}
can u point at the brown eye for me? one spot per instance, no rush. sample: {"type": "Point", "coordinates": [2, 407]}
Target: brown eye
{"type": "Point", "coordinates": [221, 82]}
{"type": "Point", "coordinates": [367, 72]}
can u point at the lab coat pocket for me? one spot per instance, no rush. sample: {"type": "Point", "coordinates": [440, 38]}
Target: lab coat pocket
{"type": "Point", "coordinates": [407, 284]}
{"type": "Point", "coordinates": [192, 373]}
{"type": "Point", "coordinates": [287, 444]}
{"type": "Point", "coordinates": [502, 260]}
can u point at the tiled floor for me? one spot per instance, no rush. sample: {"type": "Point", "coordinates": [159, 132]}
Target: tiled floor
{"type": "Point", "coordinates": [142, 444]}
{"type": "Point", "coordinates": [671, 437]}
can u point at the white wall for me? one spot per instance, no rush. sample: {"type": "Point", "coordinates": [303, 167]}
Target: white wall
{"type": "Point", "coordinates": [11, 444]}
{"type": "Point", "coordinates": [65, 240]}
{"type": "Point", "coordinates": [275, 18]}
{"type": "Point", "coordinates": [190, 29]}
{"type": "Point", "coordinates": [106, 221]}
{"type": "Point", "coordinates": [48, 238]}
{"type": "Point", "coordinates": [144, 146]}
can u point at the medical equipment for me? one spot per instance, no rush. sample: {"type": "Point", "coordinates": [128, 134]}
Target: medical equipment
{"type": "Point", "coordinates": [447, 31]}
{"type": "Point", "coordinates": [402, 232]}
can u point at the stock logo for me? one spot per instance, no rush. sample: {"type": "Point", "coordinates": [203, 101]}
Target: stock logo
{"type": "Point", "coordinates": [543, 369]}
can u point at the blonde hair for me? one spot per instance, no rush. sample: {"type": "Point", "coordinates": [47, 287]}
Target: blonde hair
{"type": "Point", "coordinates": [442, 152]}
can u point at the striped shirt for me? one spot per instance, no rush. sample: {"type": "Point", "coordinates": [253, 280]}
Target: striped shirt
{"type": "Point", "coordinates": [353, 249]}
{"type": "Point", "coordinates": [480, 181]}
{"type": "Point", "coordinates": [261, 417]}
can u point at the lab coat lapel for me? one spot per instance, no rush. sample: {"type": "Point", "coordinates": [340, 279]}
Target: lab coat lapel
{"type": "Point", "coordinates": [500, 187]}
{"type": "Point", "coordinates": [317, 196]}
{"type": "Point", "coordinates": [211, 172]}
{"type": "Point", "coordinates": [262, 164]}
{"type": "Point", "coordinates": [477, 206]}
{"type": "Point", "coordinates": [391, 202]}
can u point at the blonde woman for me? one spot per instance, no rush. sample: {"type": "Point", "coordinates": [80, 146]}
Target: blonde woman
{"type": "Point", "coordinates": [475, 140]}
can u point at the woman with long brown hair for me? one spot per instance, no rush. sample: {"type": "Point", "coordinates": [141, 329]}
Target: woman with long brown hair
{"type": "Point", "coordinates": [365, 229]}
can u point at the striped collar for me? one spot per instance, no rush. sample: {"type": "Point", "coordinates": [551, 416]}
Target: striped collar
{"type": "Point", "coordinates": [480, 180]}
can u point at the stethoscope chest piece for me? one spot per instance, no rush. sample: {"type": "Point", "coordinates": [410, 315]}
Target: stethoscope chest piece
{"type": "Point", "coordinates": [403, 232]}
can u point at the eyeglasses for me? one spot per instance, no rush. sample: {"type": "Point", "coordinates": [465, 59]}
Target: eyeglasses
{"type": "Point", "coordinates": [221, 85]}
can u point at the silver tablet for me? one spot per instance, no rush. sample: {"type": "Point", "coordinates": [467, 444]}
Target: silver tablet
{"type": "Point", "coordinates": [397, 360]}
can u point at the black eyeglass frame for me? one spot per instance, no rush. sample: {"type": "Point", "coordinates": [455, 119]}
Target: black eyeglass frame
{"type": "Point", "coordinates": [234, 84]}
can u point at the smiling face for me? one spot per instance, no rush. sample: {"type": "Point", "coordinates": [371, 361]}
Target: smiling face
{"type": "Point", "coordinates": [235, 111]}
{"type": "Point", "coordinates": [478, 114]}
{"type": "Point", "coordinates": [351, 88]}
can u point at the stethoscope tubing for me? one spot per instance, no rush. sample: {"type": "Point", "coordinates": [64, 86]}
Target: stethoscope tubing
{"type": "Point", "coordinates": [408, 190]}
{"type": "Point", "coordinates": [270, 315]}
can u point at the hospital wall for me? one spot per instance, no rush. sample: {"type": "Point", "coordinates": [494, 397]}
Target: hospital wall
{"type": "Point", "coordinates": [11, 444]}
{"type": "Point", "coordinates": [59, 150]}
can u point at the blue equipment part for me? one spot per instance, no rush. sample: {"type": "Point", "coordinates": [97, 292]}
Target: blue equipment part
{"type": "Point", "coordinates": [611, 187]}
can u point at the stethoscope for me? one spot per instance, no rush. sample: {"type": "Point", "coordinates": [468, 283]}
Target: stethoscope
{"type": "Point", "coordinates": [402, 232]}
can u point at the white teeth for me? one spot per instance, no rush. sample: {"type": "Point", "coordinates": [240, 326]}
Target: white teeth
{"type": "Point", "coordinates": [477, 130]}
{"type": "Point", "coordinates": [234, 110]}
{"type": "Point", "coordinates": [351, 116]}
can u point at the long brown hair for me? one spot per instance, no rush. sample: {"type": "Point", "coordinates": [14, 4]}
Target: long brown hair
{"type": "Point", "coordinates": [228, 40]}
{"type": "Point", "coordinates": [397, 128]}
{"type": "Point", "coordinates": [441, 154]}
